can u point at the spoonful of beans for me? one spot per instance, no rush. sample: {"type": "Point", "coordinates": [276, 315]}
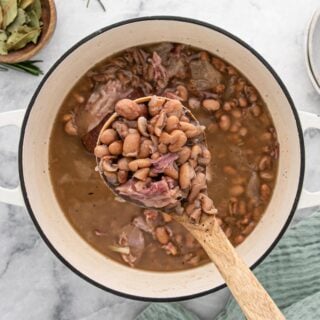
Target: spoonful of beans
{"type": "Point", "coordinates": [162, 164]}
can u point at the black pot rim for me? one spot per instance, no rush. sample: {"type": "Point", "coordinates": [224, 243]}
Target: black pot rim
{"type": "Point", "coordinates": [93, 35]}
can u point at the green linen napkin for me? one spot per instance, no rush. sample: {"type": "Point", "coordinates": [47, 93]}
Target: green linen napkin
{"type": "Point", "coordinates": [291, 275]}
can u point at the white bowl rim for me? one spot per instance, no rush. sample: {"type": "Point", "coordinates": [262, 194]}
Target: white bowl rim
{"type": "Point", "coordinates": [310, 30]}
{"type": "Point", "coordinates": [88, 38]}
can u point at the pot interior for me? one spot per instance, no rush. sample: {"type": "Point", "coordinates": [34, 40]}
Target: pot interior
{"type": "Point", "coordinates": [45, 208]}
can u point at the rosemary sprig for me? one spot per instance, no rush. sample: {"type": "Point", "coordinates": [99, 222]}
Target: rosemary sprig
{"type": "Point", "coordinates": [26, 66]}
{"type": "Point", "coordinates": [100, 3]}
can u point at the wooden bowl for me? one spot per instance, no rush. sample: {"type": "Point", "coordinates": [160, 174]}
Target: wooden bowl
{"type": "Point", "coordinates": [49, 19]}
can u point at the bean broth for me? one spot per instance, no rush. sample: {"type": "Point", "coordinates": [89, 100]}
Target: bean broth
{"type": "Point", "coordinates": [240, 135]}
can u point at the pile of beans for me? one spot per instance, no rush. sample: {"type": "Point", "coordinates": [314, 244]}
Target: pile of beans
{"type": "Point", "coordinates": [155, 154]}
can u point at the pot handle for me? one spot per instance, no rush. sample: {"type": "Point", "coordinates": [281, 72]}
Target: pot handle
{"type": "Point", "coordinates": [12, 118]}
{"type": "Point", "coordinates": [309, 199]}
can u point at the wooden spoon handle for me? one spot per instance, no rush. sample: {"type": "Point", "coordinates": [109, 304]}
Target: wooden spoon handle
{"type": "Point", "coordinates": [252, 298]}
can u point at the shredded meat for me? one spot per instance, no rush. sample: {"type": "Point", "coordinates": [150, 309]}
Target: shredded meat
{"type": "Point", "coordinates": [160, 164]}
{"type": "Point", "coordinates": [100, 104]}
{"type": "Point", "coordinates": [204, 75]}
{"type": "Point", "coordinates": [132, 237]}
{"type": "Point", "coordinates": [154, 195]}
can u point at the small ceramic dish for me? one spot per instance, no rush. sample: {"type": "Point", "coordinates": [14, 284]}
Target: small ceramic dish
{"type": "Point", "coordinates": [313, 50]}
{"type": "Point", "coordinates": [49, 19]}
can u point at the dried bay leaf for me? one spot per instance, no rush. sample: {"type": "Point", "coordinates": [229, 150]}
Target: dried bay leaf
{"type": "Point", "coordinates": [1, 17]}
{"type": "Point", "coordinates": [19, 21]}
{"type": "Point", "coordinates": [36, 6]}
{"type": "Point", "coordinates": [25, 3]}
{"type": "Point", "coordinates": [22, 36]}
{"type": "Point", "coordinates": [9, 11]}
{"type": "Point", "coordinates": [3, 45]}
{"type": "Point", "coordinates": [33, 19]}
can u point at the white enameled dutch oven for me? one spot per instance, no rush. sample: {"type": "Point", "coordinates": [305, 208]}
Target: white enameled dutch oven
{"type": "Point", "coordinates": [36, 193]}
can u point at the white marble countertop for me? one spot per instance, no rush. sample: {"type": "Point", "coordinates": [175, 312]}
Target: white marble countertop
{"type": "Point", "coordinates": [34, 284]}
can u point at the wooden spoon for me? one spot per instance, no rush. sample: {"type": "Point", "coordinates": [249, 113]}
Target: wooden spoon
{"type": "Point", "coordinates": [252, 298]}
{"type": "Point", "coordinates": [49, 19]}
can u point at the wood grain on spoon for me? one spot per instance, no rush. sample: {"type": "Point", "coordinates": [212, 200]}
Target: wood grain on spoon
{"type": "Point", "coordinates": [252, 298]}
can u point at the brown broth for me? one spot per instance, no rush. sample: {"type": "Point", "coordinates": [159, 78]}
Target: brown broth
{"type": "Point", "coordinates": [90, 206]}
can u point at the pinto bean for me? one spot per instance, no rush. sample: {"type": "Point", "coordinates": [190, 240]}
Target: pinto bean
{"type": "Point", "coordinates": [160, 124]}
{"type": "Point", "coordinates": [242, 207]}
{"type": "Point", "coordinates": [198, 184]}
{"type": "Point", "coordinates": [186, 173]}
{"type": "Point", "coordinates": [235, 126]}
{"type": "Point", "coordinates": [155, 105]}
{"type": "Point", "coordinates": [182, 92]}
{"type": "Point", "coordinates": [155, 155]}
{"type": "Point", "coordinates": [134, 165]}
{"type": "Point", "coordinates": [243, 102]}
{"type": "Point", "coordinates": [256, 110]}
{"type": "Point", "coordinates": [146, 148]}
{"type": "Point", "coordinates": [111, 177]}
{"type": "Point", "coordinates": [184, 155]}
{"type": "Point", "coordinates": [238, 239]}
{"type": "Point", "coordinates": [166, 217]}
{"type": "Point", "coordinates": [207, 204]}
{"type": "Point", "coordinates": [184, 118]}
{"type": "Point", "coordinates": [142, 174]}
{"type": "Point", "coordinates": [122, 176]}
{"type": "Point", "coordinates": [176, 140]}
{"type": "Point", "coordinates": [227, 106]}
{"type": "Point", "coordinates": [219, 64]}
{"type": "Point", "coordinates": [162, 148]}
{"type": "Point", "coordinates": [162, 235]}
{"type": "Point", "coordinates": [123, 164]}
{"type": "Point", "coordinates": [170, 248]}
{"type": "Point", "coordinates": [225, 122]}
{"type": "Point", "coordinates": [195, 215]}
{"type": "Point", "coordinates": [230, 171]}
{"type": "Point", "coordinates": [131, 145]}
{"type": "Point", "coordinates": [172, 124]}
{"type": "Point", "coordinates": [194, 103]}
{"type": "Point", "coordinates": [265, 163]}
{"type": "Point", "coordinates": [70, 128]}
{"type": "Point", "coordinates": [257, 213]}
{"type": "Point", "coordinates": [192, 206]}
{"type": "Point", "coordinates": [212, 127]}
{"type": "Point", "coordinates": [196, 150]}
{"type": "Point", "coordinates": [249, 228]}
{"type": "Point", "coordinates": [171, 172]}
{"type": "Point", "coordinates": [173, 108]}
{"type": "Point", "coordinates": [107, 166]}
{"type": "Point", "coordinates": [211, 104]}
{"type": "Point", "coordinates": [108, 136]}
{"type": "Point", "coordinates": [66, 117]}
{"type": "Point", "coordinates": [121, 128]}
{"type": "Point", "coordinates": [115, 148]}
{"type": "Point", "coordinates": [228, 232]}
{"type": "Point", "coordinates": [267, 176]}
{"type": "Point", "coordinates": [243, 132]}
{"type": "Point", "coordinates": [265, 192]}
{"type": "Point", "coordinates": [78, 97]}
{"type": "Point", "coordinates": [101, 151]}
{"type": "Point", "coordinates": [128, 109]}
{"type": "Point", "coordinates": [205, 158]}
{"type": "Point", "coordinates": [236, 113]}
{"type": "Point", "coordinates": [142, 126]}
{"type": "Point", "coordinates": [236, 190]}
{"type": "Point", "coordinates": [266, 137]}
{"type": "Point", "coordinates": [190, 130]}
